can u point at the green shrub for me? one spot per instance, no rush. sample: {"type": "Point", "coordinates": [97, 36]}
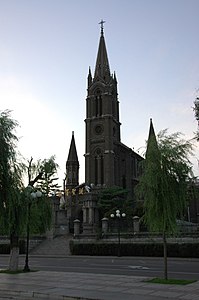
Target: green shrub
{"type": "Point", "coordinates": [5, 248]}
{"type": "Point", "coordinates": [131, 249]}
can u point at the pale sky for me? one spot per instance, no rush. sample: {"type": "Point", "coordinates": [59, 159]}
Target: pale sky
{"type": "Point", "coordinates": [47, 47]}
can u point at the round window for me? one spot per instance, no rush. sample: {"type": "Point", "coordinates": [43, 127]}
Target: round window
{"type": "Point", "coordinates": [98, 129]}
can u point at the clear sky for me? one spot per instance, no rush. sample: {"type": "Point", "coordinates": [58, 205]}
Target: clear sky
{"type": "Point", "coordinates": [47, 46]}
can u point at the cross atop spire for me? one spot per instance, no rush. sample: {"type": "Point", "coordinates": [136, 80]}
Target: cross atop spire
{"type": "Point", "coordinates": [102, 26]}
{"type": "Point", "coordinates": [102, 69]}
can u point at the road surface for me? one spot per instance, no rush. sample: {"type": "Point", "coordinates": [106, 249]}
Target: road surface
{"type": "Point", "coordinates": [136, 266]}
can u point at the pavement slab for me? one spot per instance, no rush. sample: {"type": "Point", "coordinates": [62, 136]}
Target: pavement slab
{"type": "Point", "coordinates": [84, 286]}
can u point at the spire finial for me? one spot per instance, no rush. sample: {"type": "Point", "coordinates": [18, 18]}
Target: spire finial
{"type": "Point", "coordinates": [102, 26]}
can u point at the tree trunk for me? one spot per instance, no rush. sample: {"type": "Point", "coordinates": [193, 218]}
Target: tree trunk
{"type": "Point", "coordinates": [14, 252]}
{"type": "Point", "coordinates": [165, 256]}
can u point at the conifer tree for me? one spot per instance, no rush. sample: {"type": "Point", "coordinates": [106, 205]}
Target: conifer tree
{"type": "Point", "coordinates": [111, 199]}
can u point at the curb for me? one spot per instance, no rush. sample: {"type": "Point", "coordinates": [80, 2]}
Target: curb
{"type": "Point", "coordinates": [37, 295]}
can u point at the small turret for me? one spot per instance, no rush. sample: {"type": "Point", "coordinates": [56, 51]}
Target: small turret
{"type": "Point", "coordinates": [90, 79]}
{"type": "Point", "coordinates": [114, 77]}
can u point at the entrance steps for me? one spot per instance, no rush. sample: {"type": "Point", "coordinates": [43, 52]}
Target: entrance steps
{"type": "Point", "coordinates": [58, 246]}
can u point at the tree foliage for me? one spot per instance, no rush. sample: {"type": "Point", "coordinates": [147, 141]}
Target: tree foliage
{"type": "Point", "coordinates": [12, 219]}
{"type": "Point", "coordinates": [165, 180]}
{"type": "Point", "coordinates": [14, 200]}
{"type": "Point", "coordinates": [111, 199]}
{"type": "Point", "coordinates": [11, 204]}
{"type": "Point", "coordinates": [47, 183]}
{"type": "Point", "coordinates": [164, 183]}
{"type": "Point", "coordinates": [40, 215]}
{"type": "Point", "coordinates": [41, 176]}
{"type": "Point", "coordinates": [196, 111]}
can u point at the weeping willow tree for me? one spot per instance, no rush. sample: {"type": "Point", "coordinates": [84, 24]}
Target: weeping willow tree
{"type": "Point", "coordinates": [164, 183]}
{"type": "Point", "coordinates": [13, 195]}
{"type": "Point", "coordinates": [11, 203]}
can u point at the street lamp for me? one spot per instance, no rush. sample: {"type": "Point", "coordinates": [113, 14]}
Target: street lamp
{"type": "Point", "coordinates": [118, 216]}
{"type": "Point", "coordinates": [31, 195]}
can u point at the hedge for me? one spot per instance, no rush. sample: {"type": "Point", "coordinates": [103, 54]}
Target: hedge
{"type": "Point", "coordinates": [148, 249]}
{"type": "Point", "coordinates": [5, 248]}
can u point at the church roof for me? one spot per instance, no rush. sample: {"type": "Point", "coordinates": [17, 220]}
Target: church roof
{"type": "Point", "coordinates": [72, 155]}
{"type": "Point", "coordinates": [102, 65]}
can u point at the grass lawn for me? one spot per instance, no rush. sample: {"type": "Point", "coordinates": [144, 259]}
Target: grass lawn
{"type": "Point", "coordinates": [15, 272]}
{"type": "Point", "coordinates": [171, 281]}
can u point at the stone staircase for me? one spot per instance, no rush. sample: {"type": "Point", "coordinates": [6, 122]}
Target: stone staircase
{"type": "Point", "coordinates": [58, 246]}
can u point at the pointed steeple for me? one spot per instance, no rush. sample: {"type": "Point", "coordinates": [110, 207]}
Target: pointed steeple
{"type": "Point", "coordinates": [89, 78]}
{"type": "Point", "coordinates": [72, 165]}
{"type": "Point", "coordinates": [151, 129]}
{"type": "Point", "coordinates": [72, 155]}
{"type": "Point", "coordinates": [102, 69]}
{"type": "Point", "coordinates": [152, 145]}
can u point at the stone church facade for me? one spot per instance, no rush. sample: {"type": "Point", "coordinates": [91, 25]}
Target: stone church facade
{"type": "Point", "coordinates": [108, 162]}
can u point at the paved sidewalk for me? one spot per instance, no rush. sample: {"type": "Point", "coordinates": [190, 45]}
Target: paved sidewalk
{"type": "Point", "coordinates": [60, 286]}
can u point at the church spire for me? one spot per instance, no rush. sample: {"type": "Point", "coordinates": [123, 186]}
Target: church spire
{"type": "Point", "coordinates": [152, 145]}
{"type": "Point", "coordinates": [102, 69]}
{"type": "Point", "coordinates": [72, 155]}
{"type": "Point", "coordinates": [72, 165]}
{"type": "Point", "coordinates": [151, 129]}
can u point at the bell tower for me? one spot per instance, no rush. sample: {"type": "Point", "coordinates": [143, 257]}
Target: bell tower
{"type": "Point", "coordinates": [102, 122]}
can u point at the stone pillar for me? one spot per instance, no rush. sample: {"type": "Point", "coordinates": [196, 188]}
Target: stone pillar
{"type": "Point", "coordinates": [76, 227]}
{"type": "Point", "coordinates": [104, 225]}
{"type": "Point", "coordinates": [136, 224]}
{"type": "Point", "coordinates": [91, 213]}
{"type": "Point", "coordinates": [84, 214]}
{"type": "Point", "coordinates": [99, 170]}
{"type": "Point", "coordinates": [90, 217]}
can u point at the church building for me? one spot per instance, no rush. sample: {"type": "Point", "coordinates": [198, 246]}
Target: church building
{"type": "Point", "coordinates": [108, 162]}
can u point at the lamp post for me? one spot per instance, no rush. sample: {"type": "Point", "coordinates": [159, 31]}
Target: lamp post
{"type": "Point", "coordinates": [31, 195]}
{"type": "Point", "coordinates": [118, 216]}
